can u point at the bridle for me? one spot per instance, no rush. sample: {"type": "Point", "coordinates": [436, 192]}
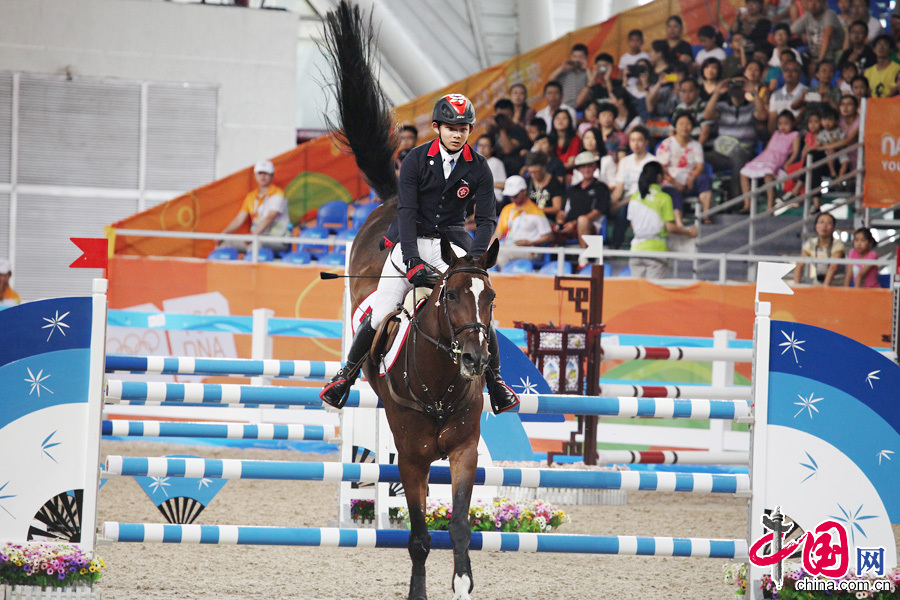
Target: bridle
{"type": "Point", "coordinates": [443, 408]}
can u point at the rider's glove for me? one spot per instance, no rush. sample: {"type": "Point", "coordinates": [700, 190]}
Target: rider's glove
{"type": "Point", "coordinates": [416, 271]}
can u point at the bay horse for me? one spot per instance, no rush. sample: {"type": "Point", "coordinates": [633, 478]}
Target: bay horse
{"type": "Point", "coordinates": [433, 395]}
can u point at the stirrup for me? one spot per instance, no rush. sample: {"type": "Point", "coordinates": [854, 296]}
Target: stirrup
{"type": "Point", "coordinates": [341, 384]}
{"type": "Point", "coordinates": [502, 397]}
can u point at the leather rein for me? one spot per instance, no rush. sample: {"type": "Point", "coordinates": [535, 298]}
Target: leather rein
{"type": "Point", "coordinates": [443, 407]}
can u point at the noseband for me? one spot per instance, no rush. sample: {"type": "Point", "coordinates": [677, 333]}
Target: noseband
{"type": "Point", "coordinates": [442, 408]}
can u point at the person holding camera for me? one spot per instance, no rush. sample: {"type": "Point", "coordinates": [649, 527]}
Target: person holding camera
{"type": "Point", "coordinates": [752, 23]}
{"type": "Point", "coordinates": [573, 74]}
{"type": "Point", "coordinates": [600, 83]}
{"type": "Point", "coordinates": [511, 141]}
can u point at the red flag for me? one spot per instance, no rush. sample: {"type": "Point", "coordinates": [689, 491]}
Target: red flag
{"type": "Point", "coordinates": [95, 253]}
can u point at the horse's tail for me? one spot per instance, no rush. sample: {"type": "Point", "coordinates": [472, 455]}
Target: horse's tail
{"type": "Point", "coordinates": [365, 127]}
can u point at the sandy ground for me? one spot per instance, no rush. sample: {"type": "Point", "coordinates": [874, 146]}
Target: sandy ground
{"type": "Point", "coordinates": [192, 571]}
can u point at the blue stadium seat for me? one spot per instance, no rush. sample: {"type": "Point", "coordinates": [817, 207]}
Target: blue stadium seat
{"type": "Point", "coordinates": [332, 259]}
{"type": "Point", "coordinates": [264, 255]}
{"type": "Point", "coordinates": [587, 270]}
{"type": "Point", "coordinates": [551, 268]}
{"type": "Point", "coordinates": [347, 234]}
{"type": "Point", "coordinates": [297, 258]}
{"type": "Point", "coordinates": [362, 213]}
{"type": "Point", "coordinates": [520, 265]}
{"type": "Point", "coordinates": [333, 216]}
{"type": "Point", "coordinates": [223, 254]}
{"type": "Point", "coordinates": [317, 232]}
{"type": "Point", "coordinates": [626, 272]}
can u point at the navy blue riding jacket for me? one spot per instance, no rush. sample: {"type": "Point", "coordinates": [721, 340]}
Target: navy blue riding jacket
{"type": "Point", "coordinates": [429, 204]}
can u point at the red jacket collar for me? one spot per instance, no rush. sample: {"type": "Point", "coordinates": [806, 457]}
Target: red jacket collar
{"type": "Point", "coordinates": [435, 149]}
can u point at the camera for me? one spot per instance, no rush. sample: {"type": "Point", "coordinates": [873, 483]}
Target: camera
{"type": "Point", "coordinates": [636, 70]}
{"type": "Point", "coordinates": [602, 69]}
{"type": "Point", "coordinates": [736, 84]}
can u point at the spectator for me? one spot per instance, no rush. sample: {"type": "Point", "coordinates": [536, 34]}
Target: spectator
{"type": "Point", "coordinates": [591, 116]}
{"type": "Point", "coordinates": [736, 119]}
{"type": "Point", "coordinates": [782, 37]}
{"type": "Point", "coordinates": [407, 137]}
{"type": "Point", "coordinates": [734, 64]}
{"type": "Point", "coordinates": [677, 50]}
{"type": "Point", "coordinates": [752, 23]}
{"type": "Point", "coordinates": [553, 97]}
{"type": "Point", "coordinates": [859, 11]}
{"type": "Point", "coordinates": [794, 186]}
{"type": "Point", "coordinates": [860, 87]}
{"type": "Point", "coordinates": [862, 275]}
{"type": "Point", "coordinates": [753, 74]}
{"type": "Point", "coordinates": [883, 74]}
{"type": "Point", "coordinates": [544, 189]}
{"type": "Point", "coordinates": [690, 103]}
{"type": "Point", "coordinates": [611, 141]}
{"type": "Point", "coordinates": [781, 151]}
{"type": "Point", "coordinates": [535, 126]}
{"type": "Point", "coordinates": [845, 83]}
{"type": "Point", "coordinates": [265, 208]}
{"type": "Point", "coordinates": [563, 141]}
{"type": "Point", "coordinates": [626, 115]}
{"type": "Point", "coordinates": [858, 50]}
{"type": "Point", "coordinates": [711, 75]}
{"type": "Point", "coordinates": [485, 147]}
{"type": "Point", "coordinates": [627, 174]}
{"type": "Point", "coordinates": [635, 51]}
{"type": "Point", "coordinates": [843, 15]}
{"type": "Point", "coordinates": [652, 220]}
{"type": "Point", "coordinates": [830, 137]}
{"type": "Point", "coordinates": [822, 90]}
{"type": "Point", "coordinates": [895, 91]}
{"type": "Point", "coordinates": [638, 87]}
{"type": "Point", "coordinates": [8, 296]}
{"type": "Point", "coordinates": [518, 95]}
{"type": "Point", "coordinates": [824, 245]}
{"type": "Point", "coordinates": [554, 165]}
{"type": "Point", "coordinates": [770, 75]}
{"type": "Point", "coordinates": [783, 10]}
{"type": "Point", "coordinates": [659, 60]}
{"type": "Point", "coordinates": [511, 140]}
{"type": "Point", "coordinates": [399, 161]}
{"type": "Point", "coordinates": [663, 96]}
{"type": "Point", "coordinates": [572, 75]}
{"type": "Point", "coordinates": [682, 160]}
{"type": "Point", "coordinates": [711, 42]}
{"type": "Point", "coordinates": [586, 204]}
{"type": "Point", "coordinates": [606, 172]}
{"type": "Point", "coordinates": [789, 96]}
{"type": "Point", "coordinates": [600, 83]}
{"type": "Point", "coordinates": [821, 31]}
{"type": "Point", "coordinates": [521, 222]}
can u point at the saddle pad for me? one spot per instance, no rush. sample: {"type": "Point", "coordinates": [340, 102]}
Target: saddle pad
{"type": "Point", "coordinates": [365, 307]}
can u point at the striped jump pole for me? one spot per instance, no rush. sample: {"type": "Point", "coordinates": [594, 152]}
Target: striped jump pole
{"type": "Point", "coordinates": [394, 538]}
{"type": "Point", "coordinates": [239, 367]}
{"type": "Point", "coordinates": [382, 473]}
{"type": "Point", "coordinates": [233, 431]}
{"type": "Point", "coordinates": [697, 392]}
{"type": "Point", "coordinates": [611, 352]}
{"type": "Point", "coordinates": [219, 394]}
{"type": "Point", "coordinates": [672, 457]}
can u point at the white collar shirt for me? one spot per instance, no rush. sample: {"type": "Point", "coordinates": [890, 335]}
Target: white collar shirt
{"type": "Point", "coordinates": [446, 157]}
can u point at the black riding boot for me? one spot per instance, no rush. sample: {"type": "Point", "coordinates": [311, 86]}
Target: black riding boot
{"type": "Point", "coordinates": [338, 390]}
{"type": "Point", "coordinates": [503, 397]}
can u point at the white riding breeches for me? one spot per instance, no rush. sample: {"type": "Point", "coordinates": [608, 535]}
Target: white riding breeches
{"type": "Point", "coordinates": [393, 289]}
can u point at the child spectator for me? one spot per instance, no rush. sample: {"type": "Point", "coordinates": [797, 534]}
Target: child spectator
{"type": "Point", "coordinates": [565, 144]}
{"type": "Point", "coordinates": [535, 127]}
{"type": "Point", "coordinates": [711, 42]}
{"type": "Point", "coordinates": [848, 72]}
{"type": "Point", "coordinates": [781, 151]}
{"type": "Point", "coordinates": [612, 141]}
{"type": "Point", "coordinates": [518, 95]}
{"type": "Point", "coordinates": [782, 37]}
{"type": "Point", "coordinates": [824, 245]}
{"type": "Point", "coordinates": [828, 136]}
{"type": "Point", "coordinates": [883, 74]}
{"type": "Point", "coordinates": [682, 161]}
{"type": "Point", "coordinates": [591, 115]}
{"type": "Point", "coordinates": [485, 147]}
{"type": "Point", "coordinates": [848, 125]}
{"type": "Point", "coordinates": [862, 275]}
{"type": "Point", "coordinates": [635, 52]}
{"type": "Point", "coordinates": [794, 186]}
{"type": "Point", "coordinates": [572, 75]}
{"type": "Point", "coordinates": [860, 87]}
{"type": "Point", "coordinates": [544, 189]}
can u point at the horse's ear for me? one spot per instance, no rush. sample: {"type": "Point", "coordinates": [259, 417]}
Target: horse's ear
{"type": "Point", "coordinates": [447, 252]}
{"type": "Point", "coordinates": [490, 257]}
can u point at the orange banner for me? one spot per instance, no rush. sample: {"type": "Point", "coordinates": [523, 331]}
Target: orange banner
{"type": "Point", "coordinates": [317, 172]}
{"type": "Point", "coordinates": [629, 305]}
{"type": "Point", "coordinates": [882, 152]}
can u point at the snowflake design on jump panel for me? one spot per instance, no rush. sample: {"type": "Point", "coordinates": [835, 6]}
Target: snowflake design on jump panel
{"type": "Point", "coordinates": [793, 344]}
{"type": "Point", "coordinates": [807, 404]}
{"type": "Point", "coordinates": [204, 482]}
{"type": "Point", "coordinates": [6, 497]}
{"type": "Point", "coordinates": [873, 376]}
{"type": "Point", "coordinates": [37, 382]}
{"type": "Point", "coordinates": [885, 454]}
{"type": "Point", "coordinates": [528, 386]}
{"type": "Point", "coordinates": [160, 484]}
{"type": "Point", "coordinates": [852, 521]}
{"type": "Point", "coordinates": [46, 445]}
{"type": "Point", "coordinates": [56, 323]}
{"type": "Point", "coordinates": [813, 466]}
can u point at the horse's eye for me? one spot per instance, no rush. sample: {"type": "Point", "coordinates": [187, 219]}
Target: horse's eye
{"type": "Point", "coordinates": [451, 296]}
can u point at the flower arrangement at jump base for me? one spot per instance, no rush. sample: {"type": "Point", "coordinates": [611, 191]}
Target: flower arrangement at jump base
{"type": "Point", "coordinates": [363, 511]}
{"type": "Point", "coordinates": [534, 516]}
{"type": "Point", "coordinates": [736, 574]}
{"type": "Point", "coordinates": [48, 565]}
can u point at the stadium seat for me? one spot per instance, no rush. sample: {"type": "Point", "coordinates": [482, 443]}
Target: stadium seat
{"type": "Point", "coordinates": [313, 232]}
{"type": "Point", "coordinates": [521, 265]}
{"type": "Point", "coordinates": [297, 258]}
{"type": "Point", "coordinates": [589, 269]}
{"type": "Point", "coordinates": [348, 235]}
{"type": "Point", "coordinates": [264, 255]}
{"type": "Point", "coordinates": [551, 268]}
{"type": "Point", "coordinates": [331, 259]}
{"type": "Point", "coordinates": [223, 254]}
{"type": "Point", "coordinates": [333, 216]}
{"type": "Point", "coordinates": [625, 272]}
{"type": "Point", "coordinates": [362, 213]}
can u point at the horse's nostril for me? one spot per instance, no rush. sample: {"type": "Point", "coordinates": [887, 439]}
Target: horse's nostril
{"type": "Point", "coordinates": [468, 359]}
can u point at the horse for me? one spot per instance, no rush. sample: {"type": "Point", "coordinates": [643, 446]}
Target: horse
{"type": "Point", "coordinates": [433, 395]}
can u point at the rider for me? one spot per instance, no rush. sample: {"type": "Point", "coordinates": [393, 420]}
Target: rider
{"type": "Point", "coordinates": [436, 182]}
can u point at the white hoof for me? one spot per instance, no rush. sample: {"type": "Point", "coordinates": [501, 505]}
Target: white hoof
{"type": "Point", "coordinates": [461, 585]}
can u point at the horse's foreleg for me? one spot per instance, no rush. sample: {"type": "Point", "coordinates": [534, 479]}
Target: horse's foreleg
{"type": "Point", "coordinates": [415, 481]}
{"type": "Point", "coordinates": [463, 463]}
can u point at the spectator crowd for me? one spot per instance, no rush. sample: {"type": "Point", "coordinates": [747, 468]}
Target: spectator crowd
{"type": "Point", "coordinates": [784, 81]}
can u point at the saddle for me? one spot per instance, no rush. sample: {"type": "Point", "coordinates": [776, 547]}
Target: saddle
{"type": "Point", "coordinates": [386, 333]}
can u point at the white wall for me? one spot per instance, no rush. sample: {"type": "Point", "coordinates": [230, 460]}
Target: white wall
{"type": "Point", "coordinates": [250, 55]}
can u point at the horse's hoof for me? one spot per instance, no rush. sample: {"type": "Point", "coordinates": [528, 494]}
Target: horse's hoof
{"type": "Point", "coordinates": [462, 584]}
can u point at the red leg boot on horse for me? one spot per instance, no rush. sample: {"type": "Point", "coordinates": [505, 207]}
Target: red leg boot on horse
{"type": "Point", "coordinates": [337, 392]}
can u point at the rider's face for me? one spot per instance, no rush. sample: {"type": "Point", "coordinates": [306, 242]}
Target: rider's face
{"type": "Point", "coordinates": [453, 137]}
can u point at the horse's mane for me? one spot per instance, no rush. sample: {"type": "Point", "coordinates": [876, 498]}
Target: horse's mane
{"type": "Point", "coordinates": [365, 124]}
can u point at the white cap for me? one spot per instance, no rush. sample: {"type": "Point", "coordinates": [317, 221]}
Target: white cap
{"type": "Point", "coordinates": [514, 185]}
{"type": "Point", "coordinates": [5, 267]}
{"type": "Point", "coordinates": [264, 166]}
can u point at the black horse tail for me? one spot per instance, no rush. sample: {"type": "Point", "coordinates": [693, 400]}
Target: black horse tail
{"type": "Point", "coordinates": [365, 125]}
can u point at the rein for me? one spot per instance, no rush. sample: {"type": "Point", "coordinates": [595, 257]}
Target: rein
{"type": "Point", "coordinates": [442, 408]}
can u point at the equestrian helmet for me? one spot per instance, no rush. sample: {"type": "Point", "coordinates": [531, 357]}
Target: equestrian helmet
{"type": "Point", "coordinates": [453, 109]}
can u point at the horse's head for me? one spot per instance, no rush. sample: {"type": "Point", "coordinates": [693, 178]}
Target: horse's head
{"type": "Point", "coordinates": [466, 301]}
